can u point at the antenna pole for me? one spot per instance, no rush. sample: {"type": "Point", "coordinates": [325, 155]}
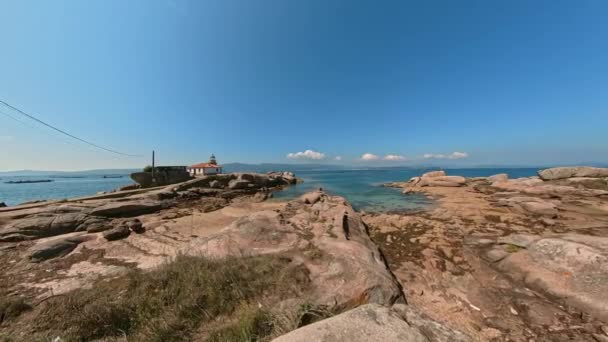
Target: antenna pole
{"type": "Point", "coordinates": [153, 179]}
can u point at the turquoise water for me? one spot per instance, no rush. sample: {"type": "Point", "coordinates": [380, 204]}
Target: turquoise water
{"type": "Point", "coordinates": [364, 190]}
{"type": "Point", "coordinates": [360, 187]}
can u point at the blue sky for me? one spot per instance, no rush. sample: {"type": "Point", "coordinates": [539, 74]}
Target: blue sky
{"type": "Point", "coordinates": [499, 82]}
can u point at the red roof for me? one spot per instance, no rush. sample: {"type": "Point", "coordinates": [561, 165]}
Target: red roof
{"type": "Point", "coordinates": [202, 165]}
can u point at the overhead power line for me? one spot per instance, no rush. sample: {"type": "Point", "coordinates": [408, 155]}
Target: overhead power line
{"type": "Point", "coordinates": [64, 132]}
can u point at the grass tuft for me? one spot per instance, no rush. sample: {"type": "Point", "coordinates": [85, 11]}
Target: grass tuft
{"type": "Point", "coordinates": [178, 300]}
{"type": "Point", "coordinates": [512, 248]}
{"type": "Point", "coordinates": [12, 308]}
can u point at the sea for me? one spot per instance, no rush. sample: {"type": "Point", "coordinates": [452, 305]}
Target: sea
{"type": "Point", "coordinates": [362, 188]}
{"type": "Point", "coordinates": [68, 185]}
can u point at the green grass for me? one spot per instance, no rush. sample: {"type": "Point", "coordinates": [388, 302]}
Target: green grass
{"type": "Point", "coordinates": [179, 300]}
{"type": "Point", "coordinates": [512, 248]}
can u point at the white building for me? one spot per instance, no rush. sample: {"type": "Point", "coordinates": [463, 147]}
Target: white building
{"type": "Point", "coordinates": [202, 169]}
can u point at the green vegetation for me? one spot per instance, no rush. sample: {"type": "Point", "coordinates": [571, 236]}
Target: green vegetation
{"type": "Point", "coordinates": [512, 248]}
{"type": "Point", "coordinates": [188, 298]}
{"type": "Point", "coordinates": [148, 168]}
{"type": "Point", "coordinates": [12, 308]}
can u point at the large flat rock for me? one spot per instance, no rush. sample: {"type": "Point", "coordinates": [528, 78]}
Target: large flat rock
{"type": "Point", "coordinates": [574, 171]}
{"type": "Point", "coordinates": [327, 236]}
{"type": "Point", "coordinates": [374, 322]}
{"type": "Point", "coordinates": [571, 267]}
{"type": "Point", "coordinates": [56, 247]}
{"type": "Point", "coordinates": [127, 208]}
{"type": "Point", "coordinates": [41, 225]}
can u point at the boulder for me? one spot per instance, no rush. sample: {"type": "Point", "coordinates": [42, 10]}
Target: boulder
{"type": "Point", "coordinates": [117, 233]}
{"type": "Point", "coordinates": [432, 174]}
{"type": "Point", "coordinates": [570, 267]}
{"type": "Point", "coordinates": [575, 171]}
{"type": "Point", "coordinates": [55, 248]}
{"type": "Point", "coordinates": [540, 207]}
{"type": "Point", "coordinates": [373, 322]}
{"type": "Point", "coordinates": [449, 181]}
{"type": "Point", "coordinates": [501, 177]}
{"type": "Point", "coordinates": [95, 224]}
{"type": "Point", "coordinates": [136, 226]}
{"type": "Point", "coordinates": [547, 189]}
{"type": "Point", "coordinates": [127, 208]}
{"type": "Point", "coordinates": [246, 176]}
{"type": "Point", "coordinates": [44, 224]}
{"type": "Point", "coordinates": [585, 182]}
{"type": "Point", "coordinates": [312, 197]}
{"type": "Point", "coordinates": [530, 204]}
{"type": "Point", "coordinates": [282, 178]}
{"type": "Point", "coordinates": [238, 184]}
{"type": "Point", "coordinates": [3, 205]}
{"type": "Point", "coordinates": [215, 184]}
{"type": "Point", "coordinates": [326, 236]}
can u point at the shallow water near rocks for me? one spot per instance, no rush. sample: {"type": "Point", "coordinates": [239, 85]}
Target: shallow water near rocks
{"type": "Point", "coordinates": [364, 190]}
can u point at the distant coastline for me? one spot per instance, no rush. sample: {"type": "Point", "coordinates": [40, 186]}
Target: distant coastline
{"type": "Point", "coordinates": [267, 167]}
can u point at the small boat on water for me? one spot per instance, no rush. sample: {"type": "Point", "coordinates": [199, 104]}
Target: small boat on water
{"type": "Point", "coordinates": [112, 176]}
{"type": "Point", "coordinates": [67, 177]}
{"type": "Point", "coordinates": [29, 181]}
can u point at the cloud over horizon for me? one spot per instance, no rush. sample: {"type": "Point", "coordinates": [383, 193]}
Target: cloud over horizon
{"type": "Point", "coordinates": [453, 155]}
{"type": "Point", "coordinates": [394, 157]}
{"type": "Point", "coordinates": [308, 154]}
{"type": "Point", "coordinates": [369, 157]}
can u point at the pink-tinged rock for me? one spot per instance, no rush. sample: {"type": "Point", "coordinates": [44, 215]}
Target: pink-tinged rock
{"type": "Point", "coordinates": [372, 322]}
{"type": "Point", "coordinates": [574, 171]}
{"type": "Point", "coordinates": [571, 267]}
{"type": "Point", "coordinates": [449, 181]}
{"type": "Point", "coordinates": [501, 177]}
{"type": "Point", "coordinates": [346, 268]}
{"type": "Point", "coordinates": [542, 208]}
{"type": "Point", "coordinates": [127, 208]}
{"type": "Point", "coordinates": [533, 205]}
{"type": "Point", "coordinates": [432, 174]}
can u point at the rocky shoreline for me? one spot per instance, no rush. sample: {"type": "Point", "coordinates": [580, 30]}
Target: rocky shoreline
{"type": "Point", "coordinates": [506, 259]}
{"type": "Point", "coordinates": [494, 259]}
{"type": "Point", "coordinates": [53, 249]}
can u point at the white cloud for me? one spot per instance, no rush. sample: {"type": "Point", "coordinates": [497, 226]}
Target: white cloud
{"type": "Point", "coordinates": [369, 156]}
{"type": "Point", "coordinates": [394, 157]}
{"type": "Point", "coordinates": [308, 154]}
{"type": "Point", "coordinates": [453, 155]}
{"type": "Point", "coordinates": [338, 158]}
{"type": "Point", "coordinates": [459, 155]}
